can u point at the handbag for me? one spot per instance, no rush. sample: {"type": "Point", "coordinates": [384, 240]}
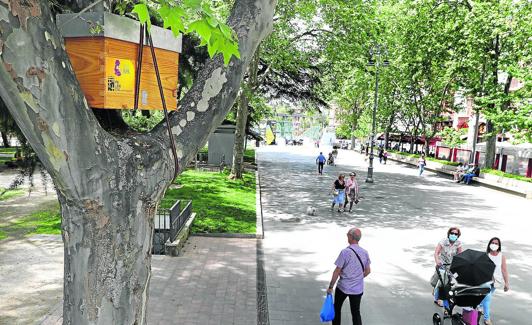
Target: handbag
{"type": "Point", "coordinates": [327, 310]}
{"type": "Point", "coordinates": [434, 279]}
{"type": "Point", "coordinates": [335, 192]}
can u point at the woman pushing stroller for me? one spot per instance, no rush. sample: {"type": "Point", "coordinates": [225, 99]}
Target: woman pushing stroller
{"type": "Point", "coordinates": [446, 249]}
{"type": "Point", "coordinates": [467, 279]}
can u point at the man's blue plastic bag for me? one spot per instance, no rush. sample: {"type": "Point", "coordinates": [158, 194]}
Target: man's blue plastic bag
{"type": "Point", "coordinates": [327, 311]}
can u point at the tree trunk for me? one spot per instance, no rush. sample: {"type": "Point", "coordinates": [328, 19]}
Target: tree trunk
{"type": "Point", "coordinates": [491, 145]}
{"type": "Point", "coordinates": [387, 131]}
{"type": "Point", "coordinates": [108, 185]}
{"type": "Point", "coordinates": [242, 118]}
{"type": "Point", "coordinates": [240, 137]}
{"type": "Point", "coordinates": [491, 136]}
{"type": "Point", "coordinates": [112, 243]}
{"type": "Point", "coordinates": [5, 140]}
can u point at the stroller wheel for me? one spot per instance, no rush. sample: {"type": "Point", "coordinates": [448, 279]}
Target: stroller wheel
{"type": "Point", "coordinates": [436, 319]}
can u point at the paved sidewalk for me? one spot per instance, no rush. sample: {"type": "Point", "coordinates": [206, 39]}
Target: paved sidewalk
{"type": "Point", "coordinates": [31, 278]}
{"type": "Point", "coordinates": [402, 217]}
{"type": "Point", "coordinates": [212, 283]}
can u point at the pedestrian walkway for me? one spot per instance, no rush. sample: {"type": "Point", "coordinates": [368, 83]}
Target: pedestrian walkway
{"type": "Point", "coordinates": [402, 217]}
{"type": "Point", "coordinates": [213, 282]}
{"type": "Point", "coordinates": [31, 278]}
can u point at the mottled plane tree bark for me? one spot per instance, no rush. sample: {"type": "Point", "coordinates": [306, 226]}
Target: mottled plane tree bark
{"type": "Point", "coordinates": [108, 185]}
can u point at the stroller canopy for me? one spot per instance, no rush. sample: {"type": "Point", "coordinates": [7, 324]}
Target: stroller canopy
{"type": "Point", "coordinates": [473, 267]}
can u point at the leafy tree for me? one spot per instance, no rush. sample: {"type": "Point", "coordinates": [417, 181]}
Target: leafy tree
{"type": "Point", "coordinates": [452, 137]}
{"type": "Point", "coordinates": [494, 50]}
{"type": "Point", "coordinates": [109, 183]}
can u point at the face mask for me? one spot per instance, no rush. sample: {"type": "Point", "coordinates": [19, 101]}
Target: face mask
{"type": "Point", "coordinates": [453, 237]}
{"type": "Point", "coordinates": [494, 247]}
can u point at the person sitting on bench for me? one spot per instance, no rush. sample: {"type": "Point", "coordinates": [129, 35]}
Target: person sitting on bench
{"type": "Point", "coordinates": [473, 171]}
{"type": "Point", "coordinates": [460, 169]}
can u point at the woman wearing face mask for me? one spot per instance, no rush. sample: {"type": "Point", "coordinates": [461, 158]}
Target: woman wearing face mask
{"type": "Point", "coordinates": [500, 275]}
{"type": "Point", "coordinates": [446, 249]}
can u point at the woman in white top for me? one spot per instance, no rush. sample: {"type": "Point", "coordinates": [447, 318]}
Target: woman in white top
{"type": "Point", "coordinates": [500, 275]}
{"type": "Point", "coordinates": [421, 163]}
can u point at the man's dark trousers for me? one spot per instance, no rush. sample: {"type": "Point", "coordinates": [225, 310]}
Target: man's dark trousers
{"type": "Point", "coordinates": [320, 167]}
{"type": "Point", "coordinates": [354, 302]}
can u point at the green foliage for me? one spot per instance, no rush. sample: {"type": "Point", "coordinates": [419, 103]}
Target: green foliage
{"type": "Point", "coordinates": [452, 137]}
{"type": "Point", "coordinates": [222, 205]}
{"type": "Point", "coordinates": [435, 49]}
{"type": "Point", "coordinates": [503, 174]}
{"type": "Point", "coordinates": [140, 122]}
{"type": "Point", "coordinates": [193, 16]}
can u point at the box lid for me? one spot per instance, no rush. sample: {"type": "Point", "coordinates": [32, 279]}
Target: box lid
{"type": "Point", "coordinates": [114, 26]}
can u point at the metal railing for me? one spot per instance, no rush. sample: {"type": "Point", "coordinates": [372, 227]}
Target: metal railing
{"type": "Point", "coordinates": [178, 220]}
{"type": "Point", "coordinates": [167, 224]}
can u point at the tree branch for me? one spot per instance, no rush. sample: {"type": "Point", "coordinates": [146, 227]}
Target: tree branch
{"type": "Point", "coordinates": [313, 32]}
{"type": "Point", "coordinates": [213, 93]}
{"type": "Point", "coordinates": [39, 87]}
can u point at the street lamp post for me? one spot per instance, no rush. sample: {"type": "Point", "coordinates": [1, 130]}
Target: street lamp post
{"type": "Point", "coordinates": [376, 53]}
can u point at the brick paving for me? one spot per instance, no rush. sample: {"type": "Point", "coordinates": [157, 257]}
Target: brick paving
{"type": "Point", "coordinates": [212, 283]}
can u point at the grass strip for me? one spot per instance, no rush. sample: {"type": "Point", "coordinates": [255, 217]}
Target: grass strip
{"type": "Point", "coordinates": [40, 222]}
{"type": "Point", "coordinates": [10, 151]}
{"type": "Point", "coordinates": [10, 194]}
{"type": "Point", "coordinates": [504, 174]}
{"type": "Point", "coordinates": [414, 155]}
{"type": "Point", "coordinates": [221, 205]}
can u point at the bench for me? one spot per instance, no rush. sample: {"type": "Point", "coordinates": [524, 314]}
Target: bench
{"type": "Point", "coordinates": [505, 184]}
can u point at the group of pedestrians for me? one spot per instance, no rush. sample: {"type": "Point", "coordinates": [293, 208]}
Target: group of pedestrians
{"type": "Point", "coordinates": [450, 246]}
{"type": "Point", "coordinates": [321, 160]}
{"type": "Point", "coordinates": [345, 192]}
{"type": "Point", "coordinates": [465, 174]}
{"type": "Point", "coordinates": [383, 155]}
{"type": "Point", "coordinates": [353, 265]}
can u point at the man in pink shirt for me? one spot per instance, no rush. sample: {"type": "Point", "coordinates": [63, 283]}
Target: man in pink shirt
{"type": "Point", "coordinates": [352, 266]}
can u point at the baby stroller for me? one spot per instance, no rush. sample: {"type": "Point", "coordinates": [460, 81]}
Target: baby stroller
{"type": "Point", "coordinates": [474, 273]}
{"type": "Point", "coordinates": [330, 160]}
{"type": "Point", "coordinates": [454, 295]}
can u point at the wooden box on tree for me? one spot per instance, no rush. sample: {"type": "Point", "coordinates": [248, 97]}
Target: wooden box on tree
{"type": "Point", "coordinates": [103, 49]}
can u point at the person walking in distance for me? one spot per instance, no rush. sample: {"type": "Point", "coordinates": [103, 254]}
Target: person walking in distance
{"type": "Point", "coordinates": [500, 275]}
{"type": "Point", "coordinates": [421, 163]}
{"type": "Point", "coordinates": [351, 191]}
{"type": "Point", "coordinates": [321, 161]}
{"type": "Point", "coordinates": [352, 266]}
